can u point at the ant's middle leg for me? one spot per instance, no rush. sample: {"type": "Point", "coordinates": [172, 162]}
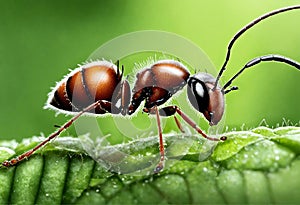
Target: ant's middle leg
{"type": "Point", "coordinates": [162, 113]}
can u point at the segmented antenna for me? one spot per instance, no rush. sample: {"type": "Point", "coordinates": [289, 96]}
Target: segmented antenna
{"type": "Point", "coordinates": [258, 60]}
{"type": "Point", "coordinates": [244, 29]}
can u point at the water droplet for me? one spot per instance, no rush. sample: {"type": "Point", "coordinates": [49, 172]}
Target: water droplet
{"type": "Point", "coordinates": [205, 169]}
{"type": "Point", "coordinates": [47, 194]}
{"type": "Point", "coordinates": [277, 157]}
{"type": "Point", "coordinates": [97, 190]}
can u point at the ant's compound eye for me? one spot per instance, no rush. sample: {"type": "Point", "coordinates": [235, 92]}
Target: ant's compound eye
{"type": "Point", "coordinates": [211, 114]}
{"type": "Point", "coordinates": [210, 118]}
{"type": "Point", "coordinates": [198, 94]}
{"type": "Point", "coordinates": [199, 90]}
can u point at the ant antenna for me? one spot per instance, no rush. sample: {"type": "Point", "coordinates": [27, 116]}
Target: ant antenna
{"type": "Point", "coordinates": [258, 60]}
{"type": "Point", "coordinates": [248, 26]}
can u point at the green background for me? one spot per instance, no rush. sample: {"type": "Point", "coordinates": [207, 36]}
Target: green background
{"type": "Point", "coordinates": [41, 40]}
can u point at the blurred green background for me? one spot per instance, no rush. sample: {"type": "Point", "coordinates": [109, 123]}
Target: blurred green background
{"type": "Point", "coordinates": [41, 40]}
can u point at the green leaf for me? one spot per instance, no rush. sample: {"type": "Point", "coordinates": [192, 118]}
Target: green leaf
{"type": "Point", "coordinates": [260, 166]}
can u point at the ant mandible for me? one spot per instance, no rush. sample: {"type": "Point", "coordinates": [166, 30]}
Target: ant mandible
{"type": "Point", "coordinates": [98, 88]}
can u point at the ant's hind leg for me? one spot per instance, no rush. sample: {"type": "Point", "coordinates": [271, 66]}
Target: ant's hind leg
{"type": "Point", "coordinates": [27, 154]}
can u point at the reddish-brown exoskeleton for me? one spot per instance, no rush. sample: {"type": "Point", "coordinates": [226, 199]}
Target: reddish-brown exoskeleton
{"type": "Point", "coordinates": [160, 81]}
{"type": "Point", "coordinates": [98, 88]}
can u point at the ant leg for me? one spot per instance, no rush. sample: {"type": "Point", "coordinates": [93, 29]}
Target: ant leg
{"type": "Point", "coordinates": [179, 124]}
{"type": "Point", "coordinates": [152, 111]}
{"type": "Point", "coordinates": [161, 163]}
{"type": "Point", "coordinates": [171, 110]}
{"type": "Point", "coordinates": [27, 154]}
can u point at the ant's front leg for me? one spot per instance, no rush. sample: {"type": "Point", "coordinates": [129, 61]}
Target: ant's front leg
{"type": "Point", "coordinates": [169, 111]}
{"type": "Point", "coordinates": [172, 110]}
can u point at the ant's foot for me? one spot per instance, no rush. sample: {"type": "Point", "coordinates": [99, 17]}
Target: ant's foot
{"type": "Point", "coordinates": [9, 163]}
{"type": "Point", "coordinates": [223, 138]}
{"type": "Point", "coordinates": [5, 164]}
{"type": "Point", "coordinates": [159, 167]}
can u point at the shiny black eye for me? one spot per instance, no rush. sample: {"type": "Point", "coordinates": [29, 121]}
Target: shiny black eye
{"type": "Point", "coordinates": [198, 94]}
{"type": "Point", "coordinates": [211, 115]}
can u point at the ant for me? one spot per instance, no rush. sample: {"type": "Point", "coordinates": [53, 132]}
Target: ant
{"type": "Point", "coordinates": [98, 88]}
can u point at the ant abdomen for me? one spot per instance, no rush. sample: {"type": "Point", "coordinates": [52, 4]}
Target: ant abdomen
{"type": "Point", "coordinates": [92, 82]}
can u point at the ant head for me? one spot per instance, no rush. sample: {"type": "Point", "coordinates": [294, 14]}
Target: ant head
{"type": "Point", "coordinates": [204, 98]}
{"type": "Point", "coordinates": [204, 91]}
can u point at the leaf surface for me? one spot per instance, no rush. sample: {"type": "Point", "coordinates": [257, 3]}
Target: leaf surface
{"type": "Point", "coordinates": [260, 166]}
